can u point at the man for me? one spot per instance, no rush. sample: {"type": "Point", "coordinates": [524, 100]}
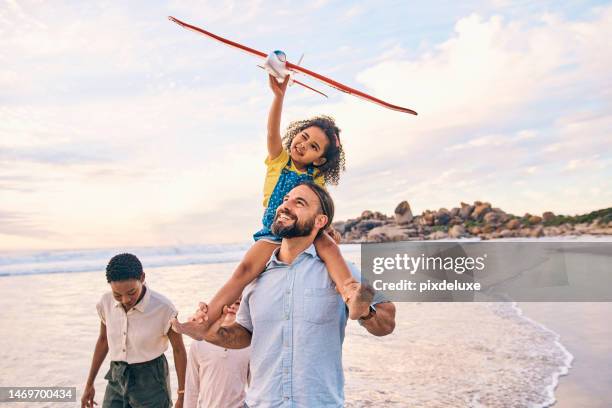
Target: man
{"type": "Point", "coordinates": [217, 376]}
{"type": "Point", "coordinates": [292, 316]}
{"type": "Point", "coordinates": [135, 330]}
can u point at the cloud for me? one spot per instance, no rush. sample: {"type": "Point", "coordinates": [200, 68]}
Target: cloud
{"type": "Point", "coordinates": [20, 224]}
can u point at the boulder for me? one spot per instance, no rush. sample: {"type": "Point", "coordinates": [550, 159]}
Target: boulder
{"type": "Point", "coordinates": [403, 213]}
{"type": "Point", "coordinates": [386, 233]}
{"type": "Point", "coordinates": [456, 231]}
{"type": "Point", "coordinates": [548, 216]}
{"type": "Point", "coordinates": [466, 210]}
{"type": "Point", "coordinates": [536, 232]}
{"type": "Point", "coordinates": [534, 219]}
{"type": "Point", "coordinates": [442, 218]}
{"type": "Point", "coordinates": [513, 224]}
{"type": "Point", "coordinates": [366, 215]}
{"type": "Point", "coordinates": [437, 235]}
{"type": "Point", "coordinates": [492, 218]}
{"type": "Point", "coordinates": [367, 224]}
{"type": "Point", "coordinates": [480, 210]}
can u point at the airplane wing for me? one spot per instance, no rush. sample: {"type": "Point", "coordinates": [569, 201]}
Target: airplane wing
{"type": "Point", "coordinates": [294, 67]}
{"type": "Point", "coordinates": [230, 43]}
{"type": "Point", "coordinates": [347, 89]}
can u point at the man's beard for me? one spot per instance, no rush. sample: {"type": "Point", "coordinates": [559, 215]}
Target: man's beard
{"type": "Point", "coordinates": [294, 230]}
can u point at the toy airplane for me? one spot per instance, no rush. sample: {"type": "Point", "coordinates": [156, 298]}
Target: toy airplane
{"type": "Point", "coordinates": [276, 64]}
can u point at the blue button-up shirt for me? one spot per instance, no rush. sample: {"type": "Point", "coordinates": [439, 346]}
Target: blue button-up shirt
{"type": "Point", "coordinates": [297, 321]}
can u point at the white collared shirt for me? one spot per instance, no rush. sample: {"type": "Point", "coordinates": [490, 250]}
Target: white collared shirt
{"type": "Point", "coordinates": [141, 334]}
{"type": "Point", "coordinates": [216, 376]}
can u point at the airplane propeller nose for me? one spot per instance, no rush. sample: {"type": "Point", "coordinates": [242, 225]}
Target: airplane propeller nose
{"type": "Point", "coordinates": [282, 57]}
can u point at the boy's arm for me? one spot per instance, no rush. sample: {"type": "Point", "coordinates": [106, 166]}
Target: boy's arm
{"type": "Point", "coordinates": [233, 336]}
{"type": "Point", "coordinates": [275, 145]}
{"type": "Point", "coordinates": [100, 352]}
{"type": "Point", "coordinates": [180, 362]}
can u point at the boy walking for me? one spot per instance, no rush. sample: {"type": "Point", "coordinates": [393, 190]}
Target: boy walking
{"type": "Point", "coordinates": [135, 331]}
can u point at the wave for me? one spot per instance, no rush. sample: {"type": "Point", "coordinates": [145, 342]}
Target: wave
{"type": "Point", "coordinates": [90, 260]}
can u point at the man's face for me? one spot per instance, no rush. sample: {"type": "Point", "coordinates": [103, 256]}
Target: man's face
{"type": "Point", "coordinates": [127, 291]}
{"type": "Point", "coordinates": [299, 214]}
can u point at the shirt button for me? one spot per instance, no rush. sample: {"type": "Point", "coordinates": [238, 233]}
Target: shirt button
{"type": "Point", "coordinates": [286, 317]}
{"type": "Point", "coordinates": [288, 292]}
{"type": "Point", "coordinates": [123, 349]}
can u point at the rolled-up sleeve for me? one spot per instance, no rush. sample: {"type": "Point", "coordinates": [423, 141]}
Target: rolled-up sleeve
{"type": "Point", "coordinates": [378, 297]}
{"type": "Point", "coordinates": [243, 317]}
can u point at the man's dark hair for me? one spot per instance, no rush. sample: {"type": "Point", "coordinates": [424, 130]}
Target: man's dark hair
{"type": "Point", "coordinates": [326, 204]}
{"type": "Point", "coordinates": [123, 267]}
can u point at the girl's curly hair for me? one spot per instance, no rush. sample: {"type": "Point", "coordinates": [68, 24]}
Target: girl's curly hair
{"type": "Point", "coordinates": [334, 153]}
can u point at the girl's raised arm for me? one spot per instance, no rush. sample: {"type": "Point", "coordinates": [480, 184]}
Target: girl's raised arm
{"type": "Point", "coordinates": [275, 145]}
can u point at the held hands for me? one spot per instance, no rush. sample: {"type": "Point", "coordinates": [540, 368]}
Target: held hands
{"type": "Point", "coordinates": [278, 89]}
{"type": "Point", "coordinates": [87, 399]}
{"type": "Point", "coordinates": [358, 298]}
{"type": "Point", "coordinates": [196, 326]}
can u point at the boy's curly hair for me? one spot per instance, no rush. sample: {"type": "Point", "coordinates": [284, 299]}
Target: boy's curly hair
{"type": "Point", "coordinates": [333, 153]}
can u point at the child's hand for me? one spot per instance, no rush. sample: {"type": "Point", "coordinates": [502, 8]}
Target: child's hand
{"type": "Point", "coordinates": [201, 313]}
{"type": "Point", "coordinates": [278, 89]}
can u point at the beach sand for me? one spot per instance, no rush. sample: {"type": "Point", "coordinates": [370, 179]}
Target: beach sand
{"type": "Point", "coordinates": [441, 354]}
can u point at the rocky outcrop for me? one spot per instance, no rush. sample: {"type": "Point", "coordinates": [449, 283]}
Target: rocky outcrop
{"type": "Point", "coordinates": [479, 219]}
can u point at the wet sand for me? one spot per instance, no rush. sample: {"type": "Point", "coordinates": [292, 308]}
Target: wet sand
{"type": "Point", "coordinates": [586, 332]}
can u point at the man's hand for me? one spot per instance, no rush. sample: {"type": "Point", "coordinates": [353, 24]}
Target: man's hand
{"type": "Point", "coordinates": [278, 89]}
{"type": "Point", "coordinates": [358, 298]}
{"type": "Point", "coordinates": [87, 399]}
{"type": "Point", "coordinates": [179, 402]}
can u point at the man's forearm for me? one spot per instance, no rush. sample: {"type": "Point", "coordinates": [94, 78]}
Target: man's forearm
{"type": "Point", "coordinates": [233, 337]}
{"type": "Point", "coordinates": [383, 322]}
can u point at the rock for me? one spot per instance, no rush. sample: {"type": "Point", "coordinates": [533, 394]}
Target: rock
{"type": "Point", "coordinates": [442, 218]}
{"type": "Point", "coordinates": [403, 213]}
{"type": "Point", "coordinates": [366, 215]}
{"type": "Point", "coordinates": [487, 229]}
{"type": "Point", "coordinates": [506, 233]}
{"type": "Point", "coordinates": [536, 232]}
{"type": "Point", "coordinates": [339, 226]}
{"type": "Point", "coordinates": [466, 210]}
{"type": "Point", "coordinates": [475, 230]}
{"type": "Point", "coordinates": [534, 219]}
{"type": "Point", "coordinates": [513, 224]}
{"type": "Point", "coordinates": [427, 218]}
{"type": "Point", "coordinates": [387, 233]}
{"type": "Point", "coordinates": [480, 211]}
{"type": "Point", "coordinates": [366, 225]}
{"type": "Point", "coordinates": [492, 218]}
{"type": "Point", "coordinates": [552, 231]}
{"type": "Point", "coordinates": [456, 231]}
{"type": "Point", "coordinates": [454, 212]}
{"type": "Point", "coordinates": [548, 216]}
{"type": "Point", "coordinates": [437, 235]}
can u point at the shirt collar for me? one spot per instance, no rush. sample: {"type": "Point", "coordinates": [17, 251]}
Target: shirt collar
{"type": "Point", "coordinates": [142, 305]}
{"type": "Point", "coordinates": [311, 250]}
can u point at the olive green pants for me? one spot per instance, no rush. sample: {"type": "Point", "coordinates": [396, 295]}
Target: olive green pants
{"type": "Point", "coordinates": [138, 385]}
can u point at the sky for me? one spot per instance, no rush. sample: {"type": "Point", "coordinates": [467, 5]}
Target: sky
{"type": "Point", "coordinates": [119, 128]}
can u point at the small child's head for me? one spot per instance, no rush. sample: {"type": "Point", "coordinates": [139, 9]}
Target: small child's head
{"type": "Point", "coordinates": [125, 275]}
{"type": "Point", "coordinates": [316, 141]}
